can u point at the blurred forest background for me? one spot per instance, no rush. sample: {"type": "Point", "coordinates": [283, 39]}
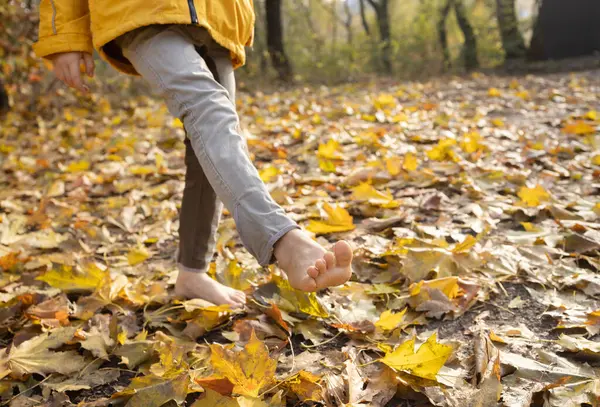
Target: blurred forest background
{"type": "Point", "coordinates": [327, 41]}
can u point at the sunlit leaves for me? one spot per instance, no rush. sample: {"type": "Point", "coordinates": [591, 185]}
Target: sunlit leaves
{"type": "Point", "coordinates": [268, 173]}
{"type": "Point", "coordinates": [337, 219]}
{"type": "Point", "coordinates": [578, 127]}
{"type": "Point", "coordinates": [78, 166]}
{"type": "Point", "coordinates": [367, 193]}
{"type": "Point", "coordinates": [425, 362]}
{"type": "Point", "coordinates": [296, 300]}
{"type": "Point", "coordinates": [250, 370]}
{"type": "Point", "coordinates": [533, 196]}
{"type": "Point", "coordinates": [494, 92]}
{"type": "Point", "coordinates": [388, 321]}
{"type": "Point", "coordinates": [67, 278]}
{"type": "Point", "coordinates": [137, 255]}
{"type": "Point", "coordinates": [443, 150]}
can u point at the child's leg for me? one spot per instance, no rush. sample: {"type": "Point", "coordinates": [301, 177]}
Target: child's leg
{"type": "Point", "coordinates": [200, 215]}
{"type": "Point", "coordinates": [167, 58]}
{"type": "Point", "coordinates": [199, 220]}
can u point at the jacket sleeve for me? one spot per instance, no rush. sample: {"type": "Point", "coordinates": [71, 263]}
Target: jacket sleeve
{"type": "Point", "coordinates": [64, 27]}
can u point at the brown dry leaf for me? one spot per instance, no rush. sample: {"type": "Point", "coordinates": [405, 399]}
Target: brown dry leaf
{"type": "Point", "coordinates": [154, 391]}
{"type": "Point", "coordinates": [36, 355]}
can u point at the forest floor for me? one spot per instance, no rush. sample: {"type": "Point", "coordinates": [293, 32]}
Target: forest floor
{"type": "Point", "coordinates": [473, 205]}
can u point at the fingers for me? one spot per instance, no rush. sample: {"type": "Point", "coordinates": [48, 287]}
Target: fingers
{"type": "Point", "coordinates": [67, 67]}
{"type": "Point", "coordinates": [88, 60]}
{"type": "Point", "coordinates": [66, 75]}
{"type": "Point", "coordinates": [76, 79]}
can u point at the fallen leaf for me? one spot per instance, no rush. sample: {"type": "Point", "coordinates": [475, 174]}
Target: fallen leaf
{"type": "Point", "coordinates": [337, 220]}
{"type": "Point", "coordinates": [68, 279]}
{"type": "Point", "coordinates": [533, 196]}
{"type": "Point", "coordinates": [250, 370]}
{"type": "Point", "coordinates": [425, 362]}
{"type": "Point", "coordinates": [36, 356]}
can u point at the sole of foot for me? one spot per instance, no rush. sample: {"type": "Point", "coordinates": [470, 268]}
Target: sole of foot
{"type": "Point", "coordinates": [308, 266]}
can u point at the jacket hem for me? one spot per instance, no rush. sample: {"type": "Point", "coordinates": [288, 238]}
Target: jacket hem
{"type": "Point", "coordinates": [63, 42]}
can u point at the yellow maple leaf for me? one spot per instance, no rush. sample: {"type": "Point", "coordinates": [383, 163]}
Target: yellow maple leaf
{"type": "Point", "coordinates": [393, 165]}
{"type": "Point", "coordinates": [211, 398]}
{"type": "Point", "coordinates": [497, 122]}
{"type": "Point", "coordinates": [137, 255]}
{"type": "Point", "coordinates": [443, 150]}
{"type": "Point", "coordinates": [448, 285]}
{"type": "Point", "coordinates": [410, 162]}
{"type": "Point", "coordinates": [596, 159]}
{"type": "Point", "coordinates": [67, 279]}
{"type": "Point", "coordinates": [298, 301]}
{"type": "Point", "coordinates": [250, 370]}
{"type": "Point", "coordinates": [494, 92]}
{"type": "Point", "coordinates": [465, 245]}
{"type": "Point", "coordinates": [177, 123]}
{"type": "Point", "coordinates": [338, 220]}
{"type": "Point", "coordinates": [388, 321]}
{"type": "Point", "coordinates": [523, 95]}
{"type": "Point", "coordinates": [591, 115]}
{"type": "Point", "coordinates": [327, 165]}
{"type": "Point", "coordinates": [597, 209]}
{"type": "Point", "coordinates": [384, 100]}
{"type": "Point", "coordinates": [78, 166]}
{"type": "Point", "coordinates": [578, 127]}
{"type": "Point", "coordinates": [306, 386]}
{"type": "Point", "coordinates": [142, 169]}
{"type": "Point", "coordinates": [471, 142]}
{"type": "Point", "coordinates": [533, 196]}
{"type": "Point", "coordinates": [367, 193]}
{"type": "Point", "coordinates": [268, 173]}
{"type": "Point", "coordinates": [330, 150]}
{"type": "Point", "coordinates": [425, 362]}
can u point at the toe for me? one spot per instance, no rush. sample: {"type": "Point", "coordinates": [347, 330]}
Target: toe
{"type": "Point", "coordinates": [313, 272]}
{"type": "Point", "coordinates": [309, 285]}
{"type": "Point", "coordinates": [329, 260]}
{"type": "Point", "coordinates": [343, 253]}
{"type": "Point", "coordinates": [321, 266]}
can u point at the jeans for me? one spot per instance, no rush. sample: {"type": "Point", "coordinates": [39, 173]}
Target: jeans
{"type": "Point", "coordinates": [195, 76]}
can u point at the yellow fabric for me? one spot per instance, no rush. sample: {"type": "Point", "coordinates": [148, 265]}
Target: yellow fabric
{"type": "Point", "coordinates": [81, 25]}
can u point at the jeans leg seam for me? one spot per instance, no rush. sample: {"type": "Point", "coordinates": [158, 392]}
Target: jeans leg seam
{"type": "Point", "coordinates": [271, 243]}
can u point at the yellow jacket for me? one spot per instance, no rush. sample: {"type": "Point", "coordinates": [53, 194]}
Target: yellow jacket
{"type": "Point", "coordinates": [81, 25]}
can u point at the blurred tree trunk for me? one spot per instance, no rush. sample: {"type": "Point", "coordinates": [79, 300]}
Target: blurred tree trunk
{"type": "Point", "coordinates": [469, 51]}
{"type": "Point", "coordinates": [275, 40]}
{"type": "Point", "coordinates": [470, 45]}
{"type": "Point", "coordinates": [348, 22]}
{"type": "Point", "coordinates": [363, 17]}
{"type": "Point", "coordinates": [512, 40]}
{"type": "Point", "coordinates": [260, 38]}
{"type": "Point", "coordinates": [443, 36]}
{"type": "Point", "coordinates": [382, 15]}
{"type": "Point", "coordinates": [4, 105]}
{"type": "Point", "coordinates": [565, 29]}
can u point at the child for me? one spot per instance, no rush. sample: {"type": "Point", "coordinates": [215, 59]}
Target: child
{"type": "Point", "coordinates": [187, 50]}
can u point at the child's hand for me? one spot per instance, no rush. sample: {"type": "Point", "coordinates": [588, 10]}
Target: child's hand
{"type": "Point", "coordinates": [67, 68]}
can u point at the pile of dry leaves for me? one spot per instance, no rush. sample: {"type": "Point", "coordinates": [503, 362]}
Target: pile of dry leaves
{"type": "Point", "coordinates": [473, 204]}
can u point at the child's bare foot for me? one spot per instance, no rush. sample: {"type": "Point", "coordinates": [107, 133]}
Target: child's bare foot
{"type": "Point", "coordinates": [200, 285]}
{"type": "Point", "coordinates": [308, 266]}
